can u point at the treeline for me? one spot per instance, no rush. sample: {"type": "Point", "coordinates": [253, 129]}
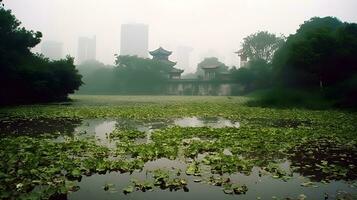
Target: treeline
{"type": "Point", "coordinates": [130, 75]}
{"type": "Point", "coordinates": [27, 77]}
{"type": "Point", "coordinates": [134, 75]}
{"type": "Point", "coordinates": [315, 67]}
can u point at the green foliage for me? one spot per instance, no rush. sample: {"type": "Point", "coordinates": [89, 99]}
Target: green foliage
{"type": "Point", "coordinates": [193, 169]}
{"type": "Point", "coordinates": [230, 188]}
{"type": "Point", "coordinates": [315, 68]}
{"type": "Point", "coordinates": [29, 78]}
{"type": "Point", "coordinates": [139, 75]}
{"type": "Point", "coordinates": [346, 93]}
{"type": "Point", "coordinates": [319, 144]}
{"type": "Point", "coordinates": [131, 75]}
{"type": "Point", "coordinates": [281, 97]}
{"type": "Point", "coordinates": [27, 163]}
{"type": "Point", "coordinates": [309, 56]}
{"type": "Point", "coordinates": [261, 46]}
{"type": "Point", "coordinates": [162, 179]}
{"type": "Point", "coordinates": [90, 67]}
{"type": "Point", "coordinates": [320, 55]}
{"type": "Point", "coordinates": [16, 41]}
{"type": "Point", "coordinates": [256, 75]}
{"type": "Point", "coordinates": [97, 78]}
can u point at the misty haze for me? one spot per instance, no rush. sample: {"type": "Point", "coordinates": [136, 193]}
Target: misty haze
{"type": "Point", "coordinates": [178, 99]}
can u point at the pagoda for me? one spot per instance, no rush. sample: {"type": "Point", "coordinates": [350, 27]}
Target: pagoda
{"type": "Point", "coordinates": [163, 55]}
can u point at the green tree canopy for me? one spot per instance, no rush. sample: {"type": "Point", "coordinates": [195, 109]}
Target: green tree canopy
{"type": "Point", "coordinates": [256, 75]}
{"type": "Point", "coordinates": [16, 42]}
{"type": "Point", "coordinates": [141, 75]}
{"type": "Point", "coordinates": [322, 54]}
{"type": "Point", "coordinates": [98, 78]}
{"type": "Point", "coordinates": [26, 77]}
{"type": "Point", "coordinates": [261, 45]}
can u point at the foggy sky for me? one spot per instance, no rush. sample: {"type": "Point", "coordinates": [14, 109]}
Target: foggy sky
{"type": "Point", "coordinates": [210, 27]}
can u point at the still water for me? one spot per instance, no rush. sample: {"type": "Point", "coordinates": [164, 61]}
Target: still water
{"type": "Point", "coordinates": [260, 186]}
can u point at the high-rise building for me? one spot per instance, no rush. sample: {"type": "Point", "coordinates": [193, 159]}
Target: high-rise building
{"type": "Point", "coordinates": [52, 50]}
{"type": "Point", "coordinates": [87, 49]}
{"type": "Point", "coordinates": [134, 40]}
{"type": "Point", "coordinates": [183, 57]}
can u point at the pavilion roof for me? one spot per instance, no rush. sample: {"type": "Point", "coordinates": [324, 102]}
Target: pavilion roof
{"type": "Point", "coordinates": [169, 62]}
{"type": "Point", "coordinates": [175, 70]}
{"type": "Point", "coordinates": [211, 67]}
{"type": "Point", "coordinates": [161, 51]}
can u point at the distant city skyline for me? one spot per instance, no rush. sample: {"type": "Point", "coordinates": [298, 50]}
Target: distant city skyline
{"type": "Point", "coordinates": [134, 40]}
{"type": "Point", "coordinates": [220, 25]}
{"type": "Point", "coordinates": [87, 49]}
{"type": "Point", "coordinates": [52, 50]}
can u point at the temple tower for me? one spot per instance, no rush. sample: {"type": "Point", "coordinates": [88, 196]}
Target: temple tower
{"type": "Point", "coordinates": [163, 55]}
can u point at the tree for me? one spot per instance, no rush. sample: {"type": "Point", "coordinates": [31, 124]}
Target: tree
{"type": "Point", "coordinates": [259, 48]}
{"type": "Point", "coordinates": [98, 78]}
{"type": "Point", "coordinates": [261, 45]}
{"type": "Point", "coordinates": [322, 54]}
{"type": "Point", "coordinates": [27, 77]}
{"type": "Point", "coordinates": [257, 75]}
{"type": "Point", "coordinates": [15, 42]}
{"type": "Point", "coordinates": [141, 75]}
{"type": "Point", "coordinates": [89, 67]}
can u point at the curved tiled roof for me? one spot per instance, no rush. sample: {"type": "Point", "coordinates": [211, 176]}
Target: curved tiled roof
{"type": "Point", "coordinates": [211, 67]}
{"type": "Point", "coordinates": [175, 70]}
{"type": "Point", "coordinates": [168, 62]}
{"type": "Point", "coordinates": [160, 50]}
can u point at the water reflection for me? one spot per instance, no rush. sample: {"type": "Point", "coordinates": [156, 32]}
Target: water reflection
{"type": "Point", "coordinates": [101, 128]}
{"type": "Point", "coordinates": [264, 187]}
{"type": "Point", "coordinates": [218, 122]}
{"type": "Point", "coordinates": [323, 159]}
{"type": "Point", "coordinates": [34, 127]}
{"type": "Point", "coordinates": [310, 162]}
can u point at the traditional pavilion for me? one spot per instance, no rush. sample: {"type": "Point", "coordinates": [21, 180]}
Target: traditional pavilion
{"type": "Point", "coordinates": [163, 55]}
{"type": "Point", "coordinates": [210, 72]}
{"type": "Point", "coordinates": [214, 82]}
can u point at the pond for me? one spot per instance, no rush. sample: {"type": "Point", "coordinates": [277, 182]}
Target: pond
{"type": "Point", "coordinates": [194, 156]}
{"type": "Point", "coordinates": [264, 187]}
{"type": "Point", "coordinates": [101, 128]}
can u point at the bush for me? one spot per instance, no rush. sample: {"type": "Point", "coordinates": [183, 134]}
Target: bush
{"type": "Point", "coordinates": [290, 98]}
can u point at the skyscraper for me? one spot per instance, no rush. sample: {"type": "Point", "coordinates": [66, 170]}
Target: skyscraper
{"type": "Point", "coordinates": [134, 40]}
{"type": "Point", "coordinates": [87, 48]}
{"type": "Point", "coordinates": [52, 50]}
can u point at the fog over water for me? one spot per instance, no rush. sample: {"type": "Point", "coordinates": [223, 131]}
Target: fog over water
{"type": "Point", "coordinates": [210, 27]}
